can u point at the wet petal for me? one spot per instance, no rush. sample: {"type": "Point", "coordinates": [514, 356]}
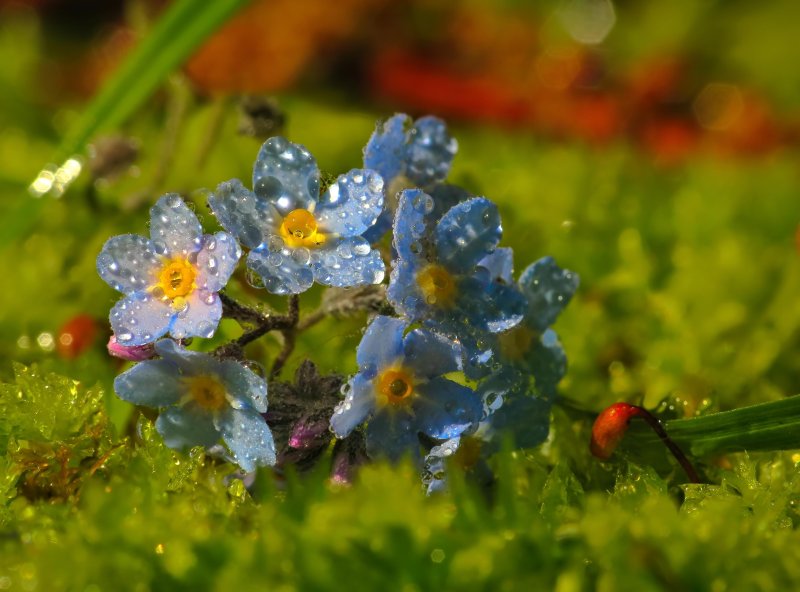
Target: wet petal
{"type": "Point", "coordinates": [385, 149]}
{"type": "Point", "coordinates": [139, 318]}
{"type": "Point", "coordinates": [184, 427]}
{"type": "Point", "coordinates": [526, 419]}
{"type": "Point", "coordinates": [445, 196]}
{"type": "Point", "coordinates": [247, 388]}
{"type": "Point", "coordinates": [444, 409]}
{"type": "Point", "coordinates": [467, 233]}
{"type": "Point", "coordinates": [283, 270]}
{"type": "Point", "coordinates": [186, 361]}
{"type": "Point", "coordinates": [403, 292]}
{"type": "Point", "coordinates": [128, 263]}
{"type": "Point", "coordinates": [286, 175]}
{"type": "Point", "coordinates": [410, 229]}
{"type": "Point", "coordinates": [430, 354]}
{"type": "Point", "coordinates": [430, 151]}
{"type": "Point", "coordinates": [200, 317]}
{"type": "Point", "coordinates": [244, 215]}
{"type": "Point", "coordinates": [356, 407]}
{"type": "Point", "coordinates": [381, 346]}
{"type": "Point", "coordinates": [352, 204]}
{"type": "Point", "coordinates": [348, 262]}
{"type": "Point", "coordinates": [493, 307]}
{"type": "Point", "coordinates": [174, 228]}
{"type": "Point", "coordinates": [154, 383]}
{"type": "Point", "coordinates": [248, 438]}
{"type": "Point", "coordinates": [500, 265]}
{"type": "Point", "coordinates": [216, 261]}
{"type": "Point", "coordinates": [391, 434]}
{"type": "Point", "coordinates": [547, 363]}
{"type": "Point", "coordinates": [549, 289]}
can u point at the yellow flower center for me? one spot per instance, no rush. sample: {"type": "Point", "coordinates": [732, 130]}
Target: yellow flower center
{"type": "Point", "coordinates": [176, 279]}
{"type": "Point", "coordinates": [395, 387]}
{"type": "Point", "coordinates": [516, 343]}
{"type": "Point", "coordinates": [299, 229]}
{"type": "Point", "coordinates": [437, 285]}
{"type": "Point", "coordinates": [207, 392]}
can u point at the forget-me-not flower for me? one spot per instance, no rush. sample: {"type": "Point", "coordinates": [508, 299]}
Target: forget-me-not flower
{"type": "Point", "coordinates": [294, 236]}
{"type": "Point", "coordinates": [170, 281]}
{"type": "Point", "coordinates": [408, 154]}
{"type": "Point", "coordinates": [436, 276]}
{"type": "Point", "coordinates": [400, 388]}
{"type": "Point", "coordinates": [204, 399]}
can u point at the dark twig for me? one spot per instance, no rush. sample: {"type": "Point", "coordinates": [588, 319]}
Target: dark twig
{"type": "Point", "coordinates": [264, 323]}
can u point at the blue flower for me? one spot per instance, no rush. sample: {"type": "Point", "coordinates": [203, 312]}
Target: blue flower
{"type": "Point", "coordinates": [407, 154]}
{"type": "Point", "coordinates": [170, 281]}
{"type": "Point", "coordinates": [203, 399]}
{"type": "Point", "coordinates": [294, 236]}
{"type": "Point", "coordinates": [436, 277]}
{"type": "Point", "coordinates": [400, 389]}
{"type": "Point", "coordinates": [531, 350]}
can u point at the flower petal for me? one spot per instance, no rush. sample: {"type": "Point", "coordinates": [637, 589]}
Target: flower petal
{"type": "Point", "coordinates": [139, 318]}
{"type": "Point", "coordinates": [183, 427]}
{"type": "Point", "coordinates": [430, 354]}
{"type": "Point", "coordinates": [356, 407]}
{"type": "Point", "coordinates": [526, 419]}
{"type": "Point", "coordinates": [549, 289]}
{"type": "Point", "coordinates": [348, 262]}
{"type": "Point", "coordinates": [248, 389]}
{"type": "Point", "coordinates": [174, 228]}
{"type": "Point", "coordinates": [409, 223]}
{"type": "Point", "coordinates": [547, 362]}
{"type": "Point", "coordinates": [248, 438]}
{"type": "Point", "coordinates": [430, 151]}
{"type": "Point", "coordinates": [403, 292]}
{"type": "Point", "coordinates": [187, 362]}
{"type": "Point", "coordinates": [500, 265]}
{"type": "Point", "coordinates": [281, 269]}
{"type": "Point", "coordinates": [286, 175]}
{"type": "Point", "coordinates": [351, 204]}
{"type": "Point", "coordinates": [391, 434]}
{"type": "Point", "coordinates": [216, 261]}
{"type": "Point", "coordinates": [381, 346]}
{"type": "Point", "coordinates": [385, 149]}
{"type": "Point", "coordinates": [154, 383]}
{"type": "Point", "coordinates": [200, 317]}
{"type": "Point", "coordinates": [467, 233]}
{"type": "Point", "coordinates": [491, 306]}
{"type": "Point", "coordinates": [128, 262]}
{"type": "Point", "coordinates": [244, 215]}
{"type": "Point", "coordinates": [444, 409]}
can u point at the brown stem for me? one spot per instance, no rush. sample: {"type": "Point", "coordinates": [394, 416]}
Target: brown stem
{"type": "Point", "coordinates": [658, 428]}
{"type": "Point", "coordinates": [264, 323]}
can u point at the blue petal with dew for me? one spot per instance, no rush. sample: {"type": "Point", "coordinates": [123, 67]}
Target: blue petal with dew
{"type": "Point", "coordinates": [357, 405]}
{"type": "Point", "coordinates": [283, 270]}
{"type": "Point", "coordinates": [549, 289]}
{"type": "Point", "coordinates": [467, 233]}
{"type": "Point", "coordinates": [248, 438]}
{"type": "Point", "coordinates": [200, 316]}
{"type": "Point", "coordinates": [174, 228]}
{"type": "Point", "coordinates": [348, 262]}
{"type": "Point", "coordinates": [153, 383]}
{"type": "Point", "coordinates": [243, 214]}
{"type": "Point", "coordinates": [247, 389]}
{"type": "Point", "coordinates": [444, 409]}
{"type": "Point", "coordinates": [351, 204]}
{"type": "Point", "coordinates": [217, 261]}
{"type": "Point", "coordinates": [382, 344]}
{"type": "Point", "coordinates": [392, 435]}
{"type": "Point", "coordinates": [286, 175]}
{"type": "Point", "coordinates": [128, 263]}
{"type": "Point", "coordinates": [184, 427]}
{"type": "Point", "coordinates": [429, 354]}
{"type": "Point", "coordinates": [140, 318]}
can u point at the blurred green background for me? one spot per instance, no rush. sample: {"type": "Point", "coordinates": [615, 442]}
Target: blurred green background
{"type": "Point", "coordinates": [650, 146]}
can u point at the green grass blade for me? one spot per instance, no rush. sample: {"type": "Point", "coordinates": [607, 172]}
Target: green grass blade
{"type": "Point", "coordinates": [181, 29]}
{"type": "Point", "coordinates": [768, 426]}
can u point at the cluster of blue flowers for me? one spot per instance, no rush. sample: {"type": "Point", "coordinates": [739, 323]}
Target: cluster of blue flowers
{"type": "Point", "coordinates": [469, 352]}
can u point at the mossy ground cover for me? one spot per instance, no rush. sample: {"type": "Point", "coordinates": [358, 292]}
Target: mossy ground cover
{"type": "Point", "coordinates": [688, 304]}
